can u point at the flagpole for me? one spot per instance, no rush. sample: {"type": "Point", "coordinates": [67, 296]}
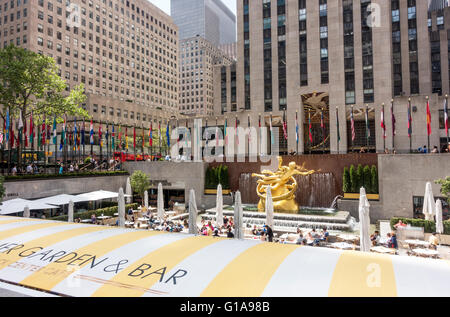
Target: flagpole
{"type": "Point", "coordinates": [409, 124]}
{"type": "Point", "coordinates": [428, 124]}
{"type": "Point", "coordinates": [338, 132]}
{"type": "Point", "coordinates": [297, 131]}
{"type": "Point", "coordinates": [353, 141]}
{"type": "Point", "coordinates": [446, 121]}
{"type": "Point", "coordinates": [384, 129]}
{"type": "Point", "coordinates": [393, 125]}
{"type": "Point", "coordinates": [323, 132]}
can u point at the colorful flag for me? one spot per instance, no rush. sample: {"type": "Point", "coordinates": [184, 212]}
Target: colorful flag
{"type": "Point", "coordinates": [367, 123]}
{"type": "Point", "coordinates": [383, 124]}
{"type": "Point", "coordinates": [322, 125]}
{"type": "Point", "coordinates": [31, 128]}
{"type": "Point", "coordinates": [126, 138]}
{"type": "Point", "coordinates": [91, 138]}
{"type": "Point", "coordinates": [236, 131]}
{"type": "Point", "coordinates": [168, 133]}
{"type": "Point", "coordinates": [446, 117]}
{"type": "Point", "coordinates": [20, 128]}
{"type": "Point", "coordinates": [75, 134]}
{"type": "Point", "coordinates": [428, 118]}
{"type": "Point", "coordinates": [7, 125]}
{"type": "Point", "coordinates": [107, 133]}
{"type": "Point", "coordinates": [352, 120]}
{"type": "Point", "coordinates": [134, 137]}
{"type": "Point", "coordinates": [55, 139]}
{"type": "Point", "coordinates": [310, 128]}
{"type": "Point", "coordinates": [394, 121]}
{"type": "Point", "coordinates": [225, 131]}
{"type": "Point", "coordinates": [297, 139]}
{"type": "Point", "coordinates": [285, 126]}
{"type": "Point", "coordinates": [409, 120]}
{"type": "Point", "coordinates": [119, 145]}
{"type": "Point", "coordinates": [272, 137]}
{"type": "Point", "coordinates": [100, 139]}
{"type": "Point", "coordinates": [25, 136]}
{"type": "Point", "coordinates": [43, 132]}
{"type": "Point", "coordinates": [113, 140]}
{"type": "Point", "coordinates": [48, 134]}
{"type": "Point", "coordinates": [150, 135]}
{"type": "Point", "coordinates": [143, 139]}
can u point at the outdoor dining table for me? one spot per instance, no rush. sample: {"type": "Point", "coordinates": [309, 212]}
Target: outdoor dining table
{"type": "Point", "coordinates": [342, 246]}
{"type": "Point", "coordinates": [383, 250]}
{"type": "Point", "coordinates": [86, 221]}
{"type": "Point", "coordinates": [129, 223]}
{"type": "Point", "coordinates": [426, 253]}
{"type": "Point", "coordinates": [418, 243]}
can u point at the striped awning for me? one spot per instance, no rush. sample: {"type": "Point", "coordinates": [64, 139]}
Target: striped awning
{"type": "Point", "coordinates": [86, 260]}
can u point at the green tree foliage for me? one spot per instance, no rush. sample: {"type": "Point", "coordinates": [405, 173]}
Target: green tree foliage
{"type": "Point", "coordinates": [140, 182]}
{"type": "Point", "coordinates": [445, 187]}
{"type": "Point", "coordinates": [347, 185]}
{"type": "Point", "coordinates": [360, 173]}
{"type": "Point", "coordinates": [2, 188]}
{"type": "Point", "coordinates": [215, 176]}
{"type": "Point", "coordinates": [31, 84]}
{"type": "Point", "coordinates": [354, 179]}
{"type": "Point", "coordinates": [374, 181]}
{"type": "Point", "coordinates": [367, 179]}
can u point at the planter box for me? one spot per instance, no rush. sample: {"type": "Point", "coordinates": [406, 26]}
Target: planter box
{"type": "Point", "coordinates": [214, 191]}
{"type": "Point", "coordinates": [356, 196]}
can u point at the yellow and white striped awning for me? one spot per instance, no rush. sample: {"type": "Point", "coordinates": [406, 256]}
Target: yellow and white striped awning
{"type": "Point", "coordinates": [86, 260]}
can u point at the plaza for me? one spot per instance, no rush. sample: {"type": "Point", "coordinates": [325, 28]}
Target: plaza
{"type": "Point", "coordinates": [298, 149]}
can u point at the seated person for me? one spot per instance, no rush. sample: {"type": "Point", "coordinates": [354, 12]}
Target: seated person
{"type": "Point", "coordinates": [93, 219]}
{"type": "Point", "coordinates": [255, 231]}
{"type": "Point", "coordinates": [325, 235]}
{"type": "Point", "coordinates": [393, 241]}
{"type": "Point", "coordinates": [230, 234]}
{"type": "Point", "coordinates": [434, 242]}
{"type": "Point", "coordinates": [375, 238]}
{"type": "Point", "coordinates": [400, 224]}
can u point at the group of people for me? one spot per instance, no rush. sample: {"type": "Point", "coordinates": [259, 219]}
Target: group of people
{"type": "Point", "coordinates": [390, 241]}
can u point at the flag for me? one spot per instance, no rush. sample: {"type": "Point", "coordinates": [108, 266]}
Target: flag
{"type": "Point", "coordinates": [48, 134]}
{"type": "Point", "coordinates": [383, 124]}
{"type": "Point", "coordinates": [91, 133]}
{"type": "Point", "coordinates": [322, 125]}
{"type": "Point", "coordinates": [43, 132]}
{"type": "Point", "coordinates": [296, 128]}
{"type": "Point", "coordinates": [20, 128]}
{"type": "Point", "coordinates": [75, 133]}
{"type": "Point", "coordinates": [119, 145]}
{"type": "Point", "coordinates": [394, 121]}
{"type": "Point", "coordinates": [113, 138]}
{"type": "Point", "coordinates": [367, 123]}
{"type": "Point", "coordinates": [63, 137]}
{"type": "Point", "coordinates": [352, 119]}
{"type": "Point", "coordinates": [83, 132]}
{"type": "Point", "coordinates": [310, 128]}
{"type": "Point", "coordinates": [126, 138]}
{"type": "Point", "coordinates": [143, 139]}
{"type": "Point", "coordinates": [446, 117]}
{"type": "Point", "coordinates": [31, 128]}
{"type": "Point", "coordinates": [337, 126]}
{"type": "Point", "coordinates": [217, 134]}
{"type": "Point", "coordinates": [55, 139]}
{"type": "Point", "coordinates": [168, 133]}
{"type": "Point", "coordinates": [272, 137]}
{"type": "Point", "coordinates": [249, 130]}
{"type": "Point", "coordinates": [107, 133]}
{"type": "Point", "coordinates": [12, 133]}
{"type": "Point", "coordinates": [285, 126]}
{"type": "Point", "coordinates": [150, 135]}
{"type": "Point", "coordinates": [225, 131]}
{"type": "Point", "coordinates": [236, 131]}
{"type": "Point", "coordinates": [100, 139]}
{"type": "Point", "coordinates": [134, 137]}
{"type": "Point", "coordinates": [428, 118]}
{"type": "Point", "coordinates": [7, 125]}
{"type": "Point", "coordinates": [409, 120]}
{"type": "Point", "coordinates": [25, 136]}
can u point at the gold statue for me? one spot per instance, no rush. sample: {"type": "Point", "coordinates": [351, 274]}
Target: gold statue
{"type": "Point", "coordinates": [283, 186]}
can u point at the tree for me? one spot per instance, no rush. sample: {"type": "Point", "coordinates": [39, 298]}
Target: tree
{"type": "Point", "coordinates": [354, 180]}
{"type": "Point", "coordinates": [445, 187]}
{"type": "Point", "coordinates": [360, 173]}
{"type": "Point", "coordinates": [367, 183]}
{"type": "Point", "coordinates": [347, 185]}
{"type": "Point", "coordinates": [31, 84]}
{"type": "Point", "coordinates": [374, 182]}
{"type": "Point", "coordinates": [2, 188]}
{"type": "Point", "coordinates": [140, 182]}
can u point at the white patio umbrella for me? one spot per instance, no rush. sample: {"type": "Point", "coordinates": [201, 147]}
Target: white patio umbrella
{"type": "Point", "coordinates": [146, 199]}
{"type": "Point", "coordinates": [129, 192]}
{"type": "Point", "coordinates": [439, 223]}
{"type": "Point", "coordinates": [192, 213]}
{"type": "Point", "coordinates": [160, 202]}
{"type": "Point", "coordinates": [269, 207]}
{"type": "Point", "coordinates": [70, 213]}
{"type": "Point", "coordinates": [26, 212]}
{"type": "Point", "coordinates": [364, 221]}
{"type": "Point", "coordinates": [219, 206]}
{"type": "Point", "coordinates": [429, 203]}
{"type": "Point", "coordinates": [121, 207]}
{"type": "Point", "coordinates": [238, 214]}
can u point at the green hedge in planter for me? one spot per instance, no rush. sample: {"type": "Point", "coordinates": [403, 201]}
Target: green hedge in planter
{"type": "Point", "coordinates": [429, 226]}
{"type": "Point", "coordinates": [215, 176]}
{"type": "Point", "coordinates": [361, 176]}
{"type": "Point", "coordinates": [109, 211]}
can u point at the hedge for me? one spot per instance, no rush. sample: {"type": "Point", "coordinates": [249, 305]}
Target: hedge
{"type": "Point", "coordinates": [362, 176]}
{"type": "Point", "coordinates": [215, 176]}
{"type": "Point", "coordinates": [65, 175]}
{"type": "Point", "coordinates": [429, 226]}
{"type": "Point", "coordinates": [109, 211]}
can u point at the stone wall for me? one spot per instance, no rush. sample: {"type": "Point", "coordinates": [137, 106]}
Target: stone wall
{"type": "Point", "coordinates": [34, 189]}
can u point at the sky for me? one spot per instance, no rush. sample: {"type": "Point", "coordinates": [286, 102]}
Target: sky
{"type": "Point", "coordinates": [165, 5]}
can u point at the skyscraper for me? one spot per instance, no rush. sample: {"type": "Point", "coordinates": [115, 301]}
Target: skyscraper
{"type": "Point", "coordinates": [209, 19]}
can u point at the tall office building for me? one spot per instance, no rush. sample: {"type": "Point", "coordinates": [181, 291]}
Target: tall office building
{"type": "Point", "coordinates": [124, 52]}
{"type": "Point", "coordinates": [210, 19]}
{"type": "Point", "coordinates": [324, 61]}
{"type": "Point", "coordinates": [198, 57]}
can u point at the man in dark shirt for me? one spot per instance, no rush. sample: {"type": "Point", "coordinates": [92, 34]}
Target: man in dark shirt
{"type": "Point", "coordinates": [269, 233]}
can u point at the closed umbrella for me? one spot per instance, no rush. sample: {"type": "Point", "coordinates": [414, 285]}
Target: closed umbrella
{"type": "Point", "coordinates": [238, 222]}
{"type": "Point", "coordinates": [160, 202]}
{"type": "Point", "coordinates": [70, 213]}
{"type": "Point", "coordinates": [429, 203]}
{"type": "Point", "coordinates": [26, 212]}
{"type": "Point", "coordinates": [219, 206]}
{"type": "Point", "coordinates": [364, 221]}
{"type": "Point", "coordinates": [269, 207]}
{"type": "Point", "coordinates": [129, 191]}
{"type": "Point", "coordinates": [192, 213]}
{"type": "Point", "coordinates": [439, 223]}
{"type": "Point", "coordinates": [121, 207]}
{"type": "Point", "coordinates": [146, 199]}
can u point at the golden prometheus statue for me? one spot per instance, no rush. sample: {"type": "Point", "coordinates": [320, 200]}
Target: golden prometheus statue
{"type": "Point", "coordinates": [283, 186]}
